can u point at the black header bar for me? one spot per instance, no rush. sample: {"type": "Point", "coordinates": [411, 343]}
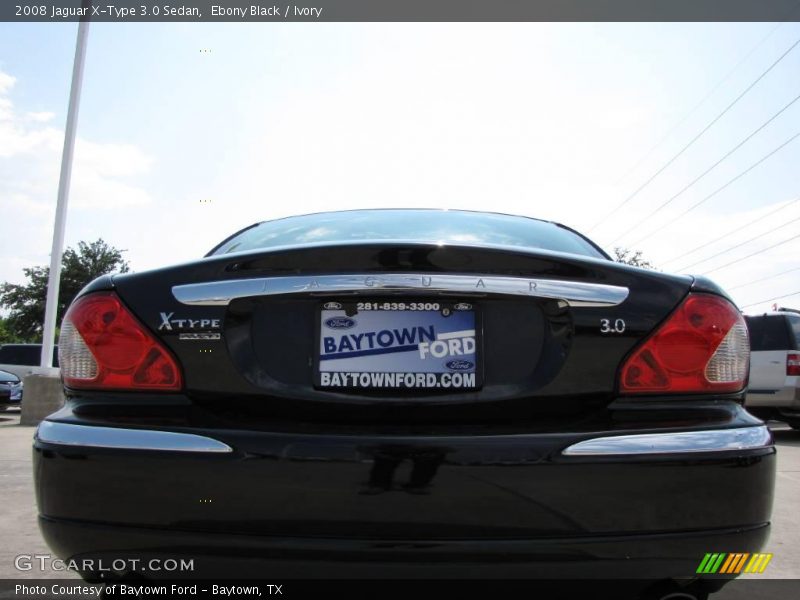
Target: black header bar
{"type": "Point", "coordinates": [399, 10]}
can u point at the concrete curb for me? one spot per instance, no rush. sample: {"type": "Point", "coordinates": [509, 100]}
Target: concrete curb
{"type": "Point", "coordinates": [43, 395]}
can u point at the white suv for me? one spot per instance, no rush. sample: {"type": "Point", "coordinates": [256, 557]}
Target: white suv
{"type": "Point", "coordinates": [774, 390]}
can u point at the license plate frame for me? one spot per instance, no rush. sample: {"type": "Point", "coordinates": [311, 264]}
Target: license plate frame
{"type": "Point", "coordinates": [457, 377]}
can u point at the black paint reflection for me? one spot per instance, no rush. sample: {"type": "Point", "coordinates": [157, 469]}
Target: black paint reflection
{"type": "Point", "coordinates": [425, 462]}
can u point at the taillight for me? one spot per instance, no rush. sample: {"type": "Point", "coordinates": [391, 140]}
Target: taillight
{"type": "Point", "coordinates": [102, 345]}
{"type": "Point", "coordinates": [793, 364]}
{"type": "Point", "coordinates": [702, 347]}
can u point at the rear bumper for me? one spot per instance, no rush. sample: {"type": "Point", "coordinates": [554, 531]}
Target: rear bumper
{"type": "Point", "coordinates": [226, 556]}
{"type": "Point", "coordinates": [626, 504]}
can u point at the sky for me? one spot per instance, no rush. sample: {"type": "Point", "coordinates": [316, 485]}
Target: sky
{"type": "Point", "coordinates": [189, 132]}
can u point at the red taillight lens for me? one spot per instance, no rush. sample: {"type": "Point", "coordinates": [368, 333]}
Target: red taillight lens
{"type": "Point", "coordinates": [701, 347]}
{"type": "Point", "coordinates": [793, 364]}
{"type": "Point", "coordinates": [103, 346]}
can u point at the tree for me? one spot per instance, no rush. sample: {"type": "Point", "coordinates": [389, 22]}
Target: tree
{"type": "Point", "coordinates": [629, 257]}
{"type": "Point", "coordinates": [6, 336]}
{"type": "Point", "coordinates": [26, 302]}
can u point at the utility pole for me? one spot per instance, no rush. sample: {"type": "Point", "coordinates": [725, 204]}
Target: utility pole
{"type": "Point", "coordinates": [54, 279]}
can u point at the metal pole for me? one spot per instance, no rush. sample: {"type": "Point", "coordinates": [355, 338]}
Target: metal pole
{"type": "Point", "coordinates": [54, 280]}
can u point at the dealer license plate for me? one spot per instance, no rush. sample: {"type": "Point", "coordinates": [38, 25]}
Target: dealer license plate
{"type": "Point", "coordinates": [398, 345]}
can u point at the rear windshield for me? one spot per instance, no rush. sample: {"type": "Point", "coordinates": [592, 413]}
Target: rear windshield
{"type": "Point", "coordinates": [772, 332]}
{"type": "Point", "coordinates": [25, 355]}
{"type": "Point", "coordinates": [433, 226]}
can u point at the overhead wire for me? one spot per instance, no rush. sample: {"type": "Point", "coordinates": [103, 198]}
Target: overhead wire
{"type": "Point", "coordinates": [731, 232]}
{"type": "Point", "coordinates": [768, 277]}
{"type": "Point", "coordinates": [719, 189]}
{"type": "Point", "coordinates": [770, 299]}
{"type": "Point", "coordinates": [740, 259]}
{"type": "Point", "coordinates": [705, 98]}
{"type": "Point", "coordinates": [739, 245]}
{"type": "Point", "coordinates": [707, 171]}
{"type": "Point", "coordinates": [698, 136]}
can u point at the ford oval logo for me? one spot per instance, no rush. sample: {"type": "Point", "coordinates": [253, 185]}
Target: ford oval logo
{"type": "Point", "coordinates": [463, 306]}
{"type": "Point", "coordinates": [332, 306]}
{"type": "Point", "coordinates": [459, 365]}
{"type": "Point", "coordinates": [340, 323]}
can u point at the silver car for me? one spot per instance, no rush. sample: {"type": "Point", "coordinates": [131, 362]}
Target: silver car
{"type": "Point", "coordinates": [10, 390]}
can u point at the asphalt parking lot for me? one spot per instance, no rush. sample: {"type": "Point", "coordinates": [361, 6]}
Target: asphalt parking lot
{"type": "Point", "coordinates": [20, 535]}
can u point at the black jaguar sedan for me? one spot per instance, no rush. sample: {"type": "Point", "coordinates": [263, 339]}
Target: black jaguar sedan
{"type": "Point", "coordinates": [395, 392]}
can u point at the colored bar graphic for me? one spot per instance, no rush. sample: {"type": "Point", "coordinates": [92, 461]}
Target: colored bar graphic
{"type": "Point", "coordinates": [738, 566]}
{"type": "Point", "coordinates": [766, 562]}
{"type": "Point", "coordinates": [732, 558]}
{"type": "Point", "coordinates": [703, 564]}
{"type": "Point", "coordinates": [710, 563]}
{"type": "Point", "coordinates": [758, 563]}
{"type": "Point", "coordinates": [716, 565]}
{"type": "Point", "coordinates": [732, 563]}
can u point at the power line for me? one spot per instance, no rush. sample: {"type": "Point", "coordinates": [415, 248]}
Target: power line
{"type": "Point", "coordinates": [771, 299]}
{"type": "Point", "coordinates": [711, 168]}
{"type": "Point", "coordinates": [697, 137]}
{"type": "Point", "coordinates": [771, 231]}
{"type": "Point", "coordinates": [710, 93]}
{"type": "Point", "coordinates": [741, 285]}
{"type": "Point", "coordinates": [719, 189]}
{"type": "Point", "coordinates": [738, 229]}
{"type": "Point", "coordinates": [728, 264]}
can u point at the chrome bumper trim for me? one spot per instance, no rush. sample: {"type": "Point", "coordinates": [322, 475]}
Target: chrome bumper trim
{"type": "Point", "coordinates": [68, 434]}
{"type": "Point", "coordinates": [716, 440]}
{"type": "Point", "coordinates": [575, 293]}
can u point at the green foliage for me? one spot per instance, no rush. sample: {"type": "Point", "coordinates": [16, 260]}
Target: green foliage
{"type": "Point", "coordinates": [629, 257]}
{"type": "Point", "coordinates": [26, 302]}
{"type": "Point", "coordinates": [6, 334]}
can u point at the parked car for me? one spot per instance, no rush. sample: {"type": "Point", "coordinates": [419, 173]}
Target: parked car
{"type": "Point", "coordinates": [376, 391]}
{"type": "Point", "coordinates": [24, 359]}
{"type": "Point", "coordinates": [774, 390]}
{"type": "Point", "coordinates": [10, 390]}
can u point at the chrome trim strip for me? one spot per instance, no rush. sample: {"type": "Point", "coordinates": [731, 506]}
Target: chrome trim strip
{"type": "Point", "coordinates": [68, 434]}
{"type": "Point", "coordinates": [716, 440]}
{"type": "Point", "coordinates": [575, 293]}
